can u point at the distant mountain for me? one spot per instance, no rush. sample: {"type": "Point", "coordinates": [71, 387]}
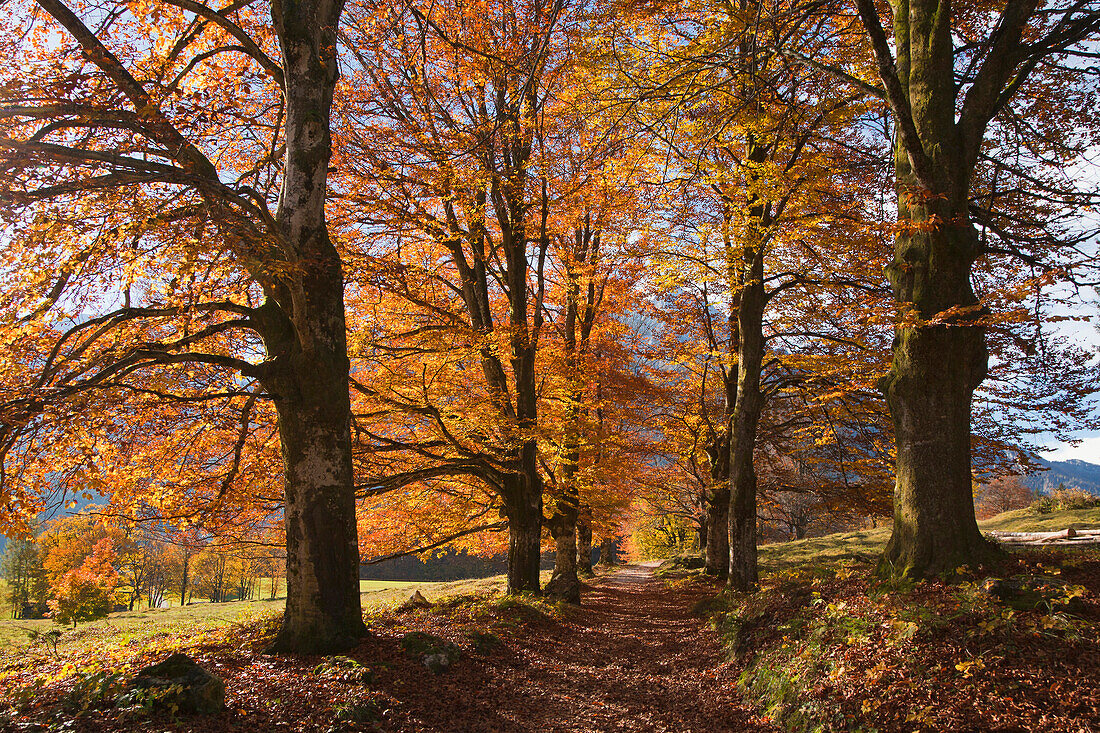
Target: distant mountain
{"type": "Point", "coordinates": [59, 508]}
{"type": "Point", "coordinates": [1070, 474]}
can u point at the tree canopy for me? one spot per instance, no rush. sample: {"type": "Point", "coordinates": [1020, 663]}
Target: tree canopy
{"type": "Point", "coordinates": [374, 278]}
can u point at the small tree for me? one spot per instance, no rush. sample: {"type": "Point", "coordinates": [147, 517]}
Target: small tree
{"type": "Point", "coordinates": [1001, 494]}
{"type": "Point", "coordinates": [87, 593]}
{"type": "Point", "coordinates": [21, 566]}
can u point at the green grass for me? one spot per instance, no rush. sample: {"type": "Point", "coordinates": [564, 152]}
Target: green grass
{"type": "Point", "coordinates": [144, 626]}
{"type": "Point", "coordinates": [830, 549]}
{"type": "Point", "coordinates": [827, 550]}
{"type": "Point", "coordinates": [1022, 520]}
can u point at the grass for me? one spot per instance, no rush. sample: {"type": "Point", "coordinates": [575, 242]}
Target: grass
{"type": "Point", "coordinates": [1022, 520]}
{"type": "Point", "coordinates": [830, 549]}
{"type": "Point", "coordinates": [140, 627]}
{"type": "Point", "coordinates": [827, 550]}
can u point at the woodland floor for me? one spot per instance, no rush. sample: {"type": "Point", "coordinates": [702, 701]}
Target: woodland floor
{"type": "Point", "coordinates": [634, 657]}
{"type": "Point", "coordinates": [823, 647]}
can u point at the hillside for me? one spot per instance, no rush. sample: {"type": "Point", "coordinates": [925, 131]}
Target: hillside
{"type": "Point", "coordinates": [1069, 474]}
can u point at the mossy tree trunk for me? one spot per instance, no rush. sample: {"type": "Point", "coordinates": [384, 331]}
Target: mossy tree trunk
{"type": "Point", "coordinates": [584, 541]}
{"type": "Point", "coordinates": [749, 403]}
{"type": "Point", "coordinates": [716, 554]}
{"type": "Point", "coordinates": [939, 353]}
{"type": "Point", "coordinates": [522, 496]}
{"type": "Point", "coordinates": [607, 552]}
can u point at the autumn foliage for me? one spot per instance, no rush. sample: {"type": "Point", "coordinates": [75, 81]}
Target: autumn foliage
{"type": "Point", "coordinates": [521, 276]}
{"type": "Point", "coordinates": [86, 593]}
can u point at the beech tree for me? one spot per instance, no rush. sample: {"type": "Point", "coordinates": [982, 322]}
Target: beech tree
{"type": "Point", "coordinates": [472, 172]}
{"type": "Point", "coordinates": [947, 73]}
{"type": "Point", "coordinates": [164, 176]}
{"type": "Point", "coordinates": [769, 147]}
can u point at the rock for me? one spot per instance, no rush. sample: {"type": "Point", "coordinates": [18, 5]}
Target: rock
{"type": "Point", "coordinates": [439, 662]}
{"type": "Point", "coordinates": [198, 691]}
{"type": "Point", "coordinates": [434, 653]}
{"type": "Point", "coordinates": [416, 600]}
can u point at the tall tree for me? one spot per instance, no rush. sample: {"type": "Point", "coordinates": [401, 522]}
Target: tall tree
{"type": "Point", "coordinates": [769, 144]}
{"type": "Point", "coordinates": [449, 157]}
{"type": "Point", "coordinates": [948, 72]}
{"type": "Point", "coordinates": [141, 163]}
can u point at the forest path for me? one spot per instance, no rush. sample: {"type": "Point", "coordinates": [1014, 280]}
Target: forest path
{"type": "Point", "coordinates": [633, 658]}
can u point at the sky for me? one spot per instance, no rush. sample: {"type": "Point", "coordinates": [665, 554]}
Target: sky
{"type": "Point", "coordinates": [1085, 333]}
{"type": "Point", "coordinates": [1088, 450]}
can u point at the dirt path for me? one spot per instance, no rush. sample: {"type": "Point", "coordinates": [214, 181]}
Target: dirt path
{"type": "Point", "coordinates": [634, 659]}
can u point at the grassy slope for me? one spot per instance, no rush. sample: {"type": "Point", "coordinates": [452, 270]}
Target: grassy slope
{"type": "Point", "coordinates": [1022, 520]}
{"type": "Point", "coordinates": [139, 627]}
{"type": "Point", "coordinates": [831, 548]}
{"type": "Point", "coordinates": [826, 646]}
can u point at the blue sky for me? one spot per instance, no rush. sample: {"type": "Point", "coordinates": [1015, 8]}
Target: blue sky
{"type": "Point", "coordinates": [1085, 333]}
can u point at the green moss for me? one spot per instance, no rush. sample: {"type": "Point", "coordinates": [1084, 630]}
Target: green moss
{"type": "Point", "coordinates": [484, 642]}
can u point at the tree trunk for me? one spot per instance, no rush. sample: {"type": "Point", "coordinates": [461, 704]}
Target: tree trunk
{"type": "Point", "coordinates": [746, 415]}
{"type": "Point", "coordinates": [584, 542]}
{"type": "Point", "coordinates": [717, 549]}
{"type": "Point", "coordinates": [523, 507]}
{"type": "Point", "coordinates": [323, 612]}
{"type": "Point", "coordinates": [524, 555]}
{"type": "Point", "coordinates": [939, 357]}
{"type": "Point", "coordinates": [305, 335]}
{"type": "Point", "coordinates": [607, 552]}
{"type": "Point", "coordinates": [716, 554]}
{"type": "Point", "coordinates": [564, 584]}
{"type": "Point", "coordinates": [183, 581]}
{"type": "Point", "coordinates": [929, 389]}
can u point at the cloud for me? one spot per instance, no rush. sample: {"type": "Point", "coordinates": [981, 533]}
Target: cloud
{"type": "Point", "coordinates": [1087, 450]}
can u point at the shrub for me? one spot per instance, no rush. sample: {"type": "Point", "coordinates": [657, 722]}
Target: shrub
{"type": "Point", "coordinates": [1065, 499]}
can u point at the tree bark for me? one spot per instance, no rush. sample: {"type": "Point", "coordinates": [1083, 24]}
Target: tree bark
{"type": "Point", "coordinates": [929, 389]}
{"type": "Point", "coordinates": [522, 493]}
{"type": "Point", "coordinates": [607, 552]}
{"type": "Point", "coordinates": [584, 542]}
{"type": "Point", "coordinates": [564, 583]}
{"type": "Point", "coordinates": [716, 557]}
{"type": "Point", "coordinates": [323, 612]}
{"type": "Point", "coordinates": [743, 574]}
{"type": "Point", "coordinates": [939, 352]}
{"type": "Point", "coordinates": [184, 578]}
{"type": "Point", "coordinates": [307, 368]}
{"type": "Point", "coordinates": [716, 554]}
